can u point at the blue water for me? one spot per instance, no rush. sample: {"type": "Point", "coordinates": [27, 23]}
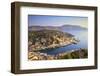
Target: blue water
{"type": "Point", "coordinates": [82, 35]}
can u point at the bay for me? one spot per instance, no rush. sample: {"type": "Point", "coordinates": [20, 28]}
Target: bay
{"type": "Point", "coordinates": [81, 35]}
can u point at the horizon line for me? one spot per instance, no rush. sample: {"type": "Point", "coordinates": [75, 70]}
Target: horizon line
{"type": "Point", "coordinates": [58, 26]}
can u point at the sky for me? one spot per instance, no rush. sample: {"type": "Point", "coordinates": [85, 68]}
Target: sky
{"type": "Point", "coordinates": [47, 20]}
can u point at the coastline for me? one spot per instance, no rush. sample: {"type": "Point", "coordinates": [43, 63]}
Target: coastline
{"type": "Point", "coordinates": [72, 54]}
{"type": "Point", "coordinates": [71, 41]}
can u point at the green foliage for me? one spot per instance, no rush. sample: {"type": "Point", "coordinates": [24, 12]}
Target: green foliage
{"type": "Point", "coordinates": [82, 53]}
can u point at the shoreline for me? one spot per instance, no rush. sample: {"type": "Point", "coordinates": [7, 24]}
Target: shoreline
{"type": "Point", "coordinates": [73, 41]}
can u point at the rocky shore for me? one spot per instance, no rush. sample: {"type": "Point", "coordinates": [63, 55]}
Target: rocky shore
{"type": "Point", "coordinates": [73, 54]}
{"type": "Point", "coordinates": [41, 47]}
{"type": "Point", "coordinates": [46, 39]}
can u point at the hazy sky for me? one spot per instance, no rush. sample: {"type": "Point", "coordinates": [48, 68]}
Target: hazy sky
{"type": "Point", "coordinates": [44, 20]}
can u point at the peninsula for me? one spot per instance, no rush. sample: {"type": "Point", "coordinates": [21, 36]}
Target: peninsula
{"type": "Point", "coordinates": [46, 39]}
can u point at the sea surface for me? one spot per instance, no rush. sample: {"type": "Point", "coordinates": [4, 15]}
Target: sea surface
{"type": "Point", "coordinates": [81, 35]}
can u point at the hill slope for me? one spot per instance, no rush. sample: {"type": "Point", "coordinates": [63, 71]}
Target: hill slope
{"type": "Point", "coordinates": [44, 39]}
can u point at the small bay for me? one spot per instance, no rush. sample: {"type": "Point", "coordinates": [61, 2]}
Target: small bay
{"type": "Point", "coordinates": [81, 35]}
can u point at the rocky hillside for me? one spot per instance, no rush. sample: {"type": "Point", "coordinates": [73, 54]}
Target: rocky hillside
{"type": "Point", "coordinates": [44, 39]}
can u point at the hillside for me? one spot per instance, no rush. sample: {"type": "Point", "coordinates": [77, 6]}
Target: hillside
{"type": "Point", "coordinates": [44, 39]}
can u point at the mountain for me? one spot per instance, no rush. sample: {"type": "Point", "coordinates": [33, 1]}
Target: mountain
{"type": "Point", "coordinates": [72, 27]}
{"type": "Point", "coordinates": [32, 28]}
{"type": "Point", "coordinates": [60, 28]}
